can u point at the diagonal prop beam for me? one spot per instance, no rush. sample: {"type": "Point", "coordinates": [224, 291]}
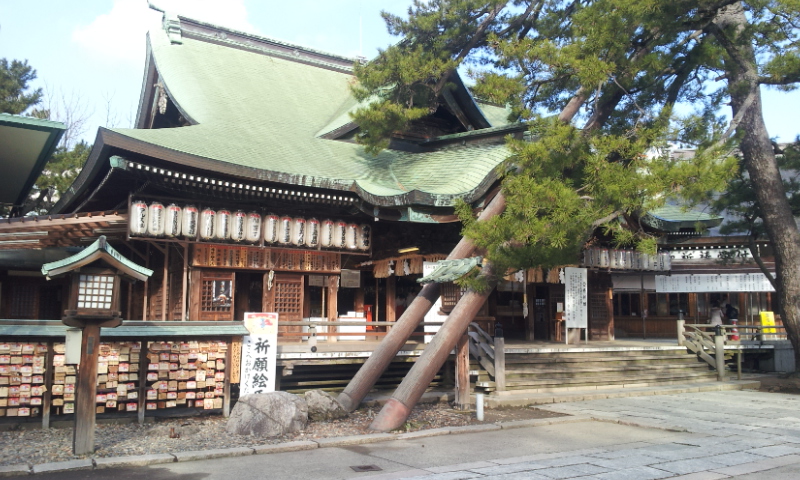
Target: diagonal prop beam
{"type": "Point", "coordinates": [393, 342]}
{"type": "Point", "coordinates": [398, 408]}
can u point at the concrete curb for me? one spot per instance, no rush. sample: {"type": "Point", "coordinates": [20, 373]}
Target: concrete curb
{"type": "Point", "coordinates": [285, 447]}
{"type": "Point", "coordinates": [13, 470]}
{"type": "Point", "coordinates": [209, 454]}
{"type": "Point", "coordinates": [355, 440]}
{"type": "Point", "coordinates": [133, 461]}
{"type": "Point", "coordinates": [81, 464]}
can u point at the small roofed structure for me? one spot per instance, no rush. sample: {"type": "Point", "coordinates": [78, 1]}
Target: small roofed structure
{"type": "Point", "coordinates": [95, 291]}
{"type": "Point", "coordinates": [26, 143]}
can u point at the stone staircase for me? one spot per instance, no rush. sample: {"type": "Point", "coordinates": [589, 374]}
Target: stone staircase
{"type": "Point", "coordinates": [552, 370]}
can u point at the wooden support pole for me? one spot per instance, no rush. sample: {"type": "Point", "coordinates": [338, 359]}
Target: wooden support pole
{"type": "Point", "coordinates": [369, 373]}
{"type": "Point", "coordinates": [462, 373]}
{"type": "Point", "coordinates": [681, 332]}
{"type": "Point", "coordinates": [86, 391]}
{"type": "Point", "coordinates": [398, 408]}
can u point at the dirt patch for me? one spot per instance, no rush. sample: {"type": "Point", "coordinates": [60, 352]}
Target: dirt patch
{"type": "Point", "coordinates": [788, 383]}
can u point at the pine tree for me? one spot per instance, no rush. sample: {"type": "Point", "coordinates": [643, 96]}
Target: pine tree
{"type": "Point", "coordinates": [14, 79]}
{"type": "Point", "coordinates": [598, 81]}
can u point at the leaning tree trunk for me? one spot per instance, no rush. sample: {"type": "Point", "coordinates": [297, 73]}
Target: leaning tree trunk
{"type": "Point", "coordinates": [759, 159]}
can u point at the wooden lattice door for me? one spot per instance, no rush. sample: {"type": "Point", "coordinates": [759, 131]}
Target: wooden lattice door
{"type": "Point", "coordinates": [283, 294]}
{"type": "Point", "coordinates": [212, 295]}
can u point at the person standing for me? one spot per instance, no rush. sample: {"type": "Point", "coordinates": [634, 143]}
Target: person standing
{"type": "Point", "coordinates": [715, 315]}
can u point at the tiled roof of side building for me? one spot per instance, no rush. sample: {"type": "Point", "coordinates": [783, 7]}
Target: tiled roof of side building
{"type": "Point", "coordinates": [262, 115]}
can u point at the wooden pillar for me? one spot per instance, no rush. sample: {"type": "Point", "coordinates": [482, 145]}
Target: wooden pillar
{"type": "Point", "coordinates": [47, 401]}
{"type": "Point", "coordinates": [226, 399]}
{"type": "Point", "coordinates": [462, 373]}
{"type": "Point", "coordinates": [86, 391]}
{"type": "Point", "coordinates": [143, 361]}
{"type": "Point", "coordinates": [610, 310]}
{"type": "Point", "coordinates": [185, 284]}
{"type": "Point", "coordinates": [358, 301]}
{"type": "Point", "coordinates": [146, 283]}
{"type": "Point", "coordinates": [500, 364]}
{"type": "Point", "coordinates": [164, 286]}
{"type": "Point", "coordinates": [333, 305]}
{"type": "Point", "coordinates": [391, 298]}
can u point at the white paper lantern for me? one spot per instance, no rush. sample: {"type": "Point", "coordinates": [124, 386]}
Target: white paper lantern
{"type": "Point", "coordinates": [364, 236]}
{"type": "Point", "coordinates": [253, 227]}
{"type": "Point", "coordinates": [207, 220]}
{"type": "Point", "coordinates": [326, 233]}
{"type": "Point", "coordinates": [312, 232]}
{"type": "Point", "coordinates": [285, 230]}
{"type": "Point", "coordinates": [271, 228]}
{"type": "Point", "coordinates": [222, 225]}
{"type": "Point", "coordinates": [172, 227]}
{"type": "Point", "coordinates": [339, 234]}
{"type": "Point", "coordinates": [189, 227]}
{"type": "Point", "coordinates": [350, 236]}
{"type": "Point", "coordinates": [138, 218]}
{"type": "Point", "coordinates": [156, 218]}
{"type": "Point", "coordinates": [238, 223]}
{"type": "Point", "coordinates": [604, 261]}
{"type": "Point", "coordinates": [664, 261]}
{"type": "Point", "coordinates": [299, 231]}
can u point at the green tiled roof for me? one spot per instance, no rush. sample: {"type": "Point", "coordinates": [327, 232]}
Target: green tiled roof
{"type": "Point", "coordinates": [99, 250]}
{"type": "Point", "coordinates": [264, 114]}
{"type": "Point", "coordinates": [451, 270]}
{"type": "Point", "coordinates": [671, 218]}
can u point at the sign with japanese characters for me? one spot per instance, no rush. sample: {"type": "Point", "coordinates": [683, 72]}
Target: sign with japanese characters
{"type": "Point", "coordinates": [726, 282]}
{"type": "Point", "coordinates": [259, 353]}
{"type": "Point", "coordinates": [576, 302]}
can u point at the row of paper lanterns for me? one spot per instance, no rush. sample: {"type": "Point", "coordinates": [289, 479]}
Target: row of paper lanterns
{"type": "Point", "coordinates": [223, 225]}
{"type": "Point", "coordinates": [626, 259]}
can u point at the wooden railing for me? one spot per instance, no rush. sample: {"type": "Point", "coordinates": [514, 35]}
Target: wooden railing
{"type": "Point", "coordinates": [709, 342]}
{"type": "Point", "coordinates": [490, 353]}
{"type": "Point", "coordinates": [326, 331]}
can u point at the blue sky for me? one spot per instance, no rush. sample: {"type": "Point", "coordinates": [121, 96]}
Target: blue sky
{"type": "Point", "coordinates": [90, 53]}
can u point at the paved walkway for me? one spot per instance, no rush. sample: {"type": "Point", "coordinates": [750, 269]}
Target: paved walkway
{"type": "Point", "coordinates": [712, 435]}
{"type": "Point", "coordinates": [691, 436]}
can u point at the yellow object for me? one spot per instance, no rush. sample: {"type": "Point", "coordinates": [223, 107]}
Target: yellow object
{"type": "Point", "coordinates": [768, 320]}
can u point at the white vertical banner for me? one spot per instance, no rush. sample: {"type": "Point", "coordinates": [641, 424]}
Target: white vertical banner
{"type": "Point", "coordinates": [259, 353]}
{"type": "Point", "coordinates": [576, 305]}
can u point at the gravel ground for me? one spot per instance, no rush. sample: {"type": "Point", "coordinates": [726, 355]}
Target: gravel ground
{"type": "Point", "coordinates": [35, 446]}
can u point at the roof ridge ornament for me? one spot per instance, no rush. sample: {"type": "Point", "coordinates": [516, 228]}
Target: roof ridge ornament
{"type": "Point", "coordinates": [172, 25]}
{"type": "Point", "coordinates": [170, 22]}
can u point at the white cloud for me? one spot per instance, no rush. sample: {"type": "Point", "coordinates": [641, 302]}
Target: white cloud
{"type": "Point", "coordinates": [119, 35]}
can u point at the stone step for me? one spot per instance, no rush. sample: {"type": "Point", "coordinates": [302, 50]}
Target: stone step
{"type": "Point", "coordinates": [525, 359]}
{"type": "Point", "coordinates": [548, 396]}
{"type": "Point", "coordinates": [523, 370]}
{"type": "Point", "coordinates": [599, 380]}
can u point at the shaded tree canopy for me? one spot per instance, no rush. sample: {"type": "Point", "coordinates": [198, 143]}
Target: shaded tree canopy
{"type": "Point", "coordinates": [14, 78]}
